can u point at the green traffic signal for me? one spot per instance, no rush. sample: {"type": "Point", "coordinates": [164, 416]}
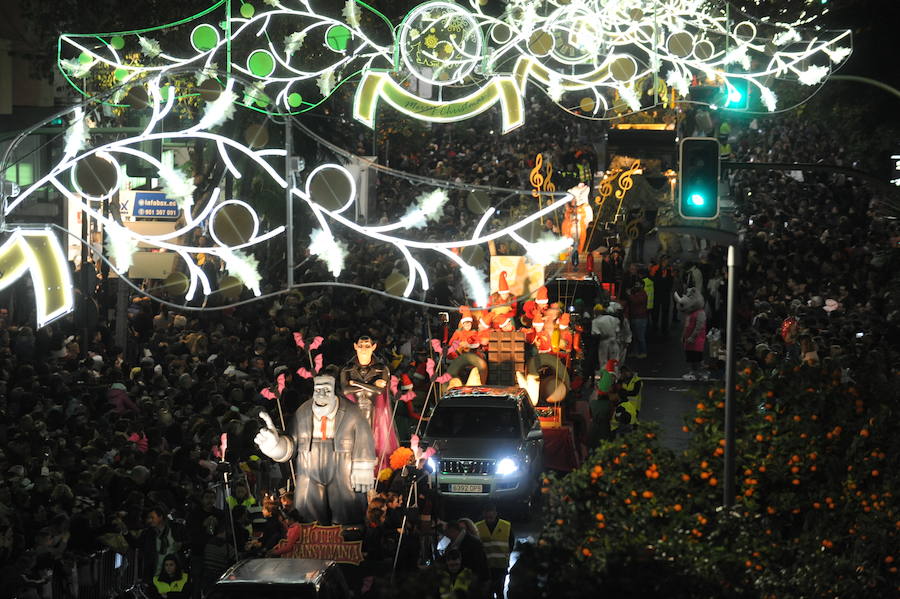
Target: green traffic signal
{"type": "Point", "coordinates": [737, 94]}
{"type": "Point", "coordinates": [698, 177]}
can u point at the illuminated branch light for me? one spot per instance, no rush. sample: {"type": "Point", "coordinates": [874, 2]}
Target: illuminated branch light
{"type": "Point", "coordinates": [243, 266]}
{"type": "Point", "coordinates": [679, 81]}
{"type": "Point", "coordinates": [837, 55]}
{"type": "Point", "coordinates": [120, 246]}
{"type": "Point", "coordinates": [76, 135]}
{"type": "Point", "coordinates": [331, 251]}
{"type": "Point", "coordinates": [768, 98]}
{"type": "Point", "coordinates": [219, 110]}
{"type": "Point", "coordinates": [475, 281]}
{"type": "Point", "coordinates": [812, 75]}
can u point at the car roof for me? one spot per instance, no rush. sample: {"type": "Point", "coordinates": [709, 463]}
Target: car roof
{"type": "Point", "coordinates": [276, 571]}
{"type": "Point", "coordinates": [481, 391]}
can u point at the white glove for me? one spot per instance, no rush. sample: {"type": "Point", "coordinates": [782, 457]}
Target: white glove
{"type": "Point", "coordinates": [270, 442]}
{"type": "Point", "coordinates": [361, 476]}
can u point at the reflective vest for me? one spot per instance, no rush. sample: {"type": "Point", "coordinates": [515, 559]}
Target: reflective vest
{"type": "Point", "coordinates": [630, 408]}
{"type": "Point", "coordinates": [170, 587]}
{"type": "Point", "coordinates": [496, 544]}
{"type": "Point", "coordinates": [232, 502]}
{"type": "Point", "coordinates": [451, 587]}
{"type": "Point", "coordinates": [648, 289]}
{"type": "Point", "coordinates": [628, 387]}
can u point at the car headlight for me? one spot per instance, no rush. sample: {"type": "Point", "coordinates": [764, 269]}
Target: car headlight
{"type": "Point", "coordinates": [507, 466]}
{"type": "Point", "coordinates": [431, 465]}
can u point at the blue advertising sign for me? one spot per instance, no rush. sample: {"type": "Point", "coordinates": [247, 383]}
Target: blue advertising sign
{"type": "Point", "coordinates": [154, 204]}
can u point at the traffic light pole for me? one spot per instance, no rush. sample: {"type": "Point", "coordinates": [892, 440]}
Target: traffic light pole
{"type": "Point", "coordinates": [729, 474]}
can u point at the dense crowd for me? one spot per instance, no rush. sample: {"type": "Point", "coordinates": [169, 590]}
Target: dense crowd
{"type": "Point", "coordinates": [114, 448]}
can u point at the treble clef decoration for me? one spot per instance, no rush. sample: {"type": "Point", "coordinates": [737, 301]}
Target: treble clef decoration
{"type": "Point", "coordinates": [549, 185]}
{"type": "Point", "coordinates": [537, 178]}
{"type": "Point", "coordinates": [625, 183]}
{"type": "Point", "coordinates": [631, 227]}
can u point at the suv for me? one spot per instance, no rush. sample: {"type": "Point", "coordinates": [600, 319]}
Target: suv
{"type": "Point", "coordinates": [489, 446]}
{"type": "Point", "coordinates": [274, 578]}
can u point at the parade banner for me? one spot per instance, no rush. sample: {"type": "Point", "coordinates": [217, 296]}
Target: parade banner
{"type": "Point", "coordinates": [327, 542]}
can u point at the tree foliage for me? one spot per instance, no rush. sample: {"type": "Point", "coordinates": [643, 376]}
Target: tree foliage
{"type": "Point", "coordinates": [815, 515]}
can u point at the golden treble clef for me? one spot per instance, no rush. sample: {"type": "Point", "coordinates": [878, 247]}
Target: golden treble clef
{"type": "Point", "coordinates": [549, 186]}
{"type": "Point", "coordinates": [537, 178]}
{"type": "Point", "coordinates": [631, 227]}
{"type": "Point", "coordinates": [625, 183]}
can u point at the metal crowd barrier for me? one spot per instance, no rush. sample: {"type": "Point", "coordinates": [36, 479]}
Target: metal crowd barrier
{"type": "Point", "coordinates": [103, 575]}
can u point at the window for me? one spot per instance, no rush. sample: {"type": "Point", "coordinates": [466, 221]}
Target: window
{"type": "Point", "coordinates": [475, 422]}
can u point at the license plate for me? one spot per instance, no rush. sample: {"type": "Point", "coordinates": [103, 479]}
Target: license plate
{"type": "Point", "coordinates": [465, 488]}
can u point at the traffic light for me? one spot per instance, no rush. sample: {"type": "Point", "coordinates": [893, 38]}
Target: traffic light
{"type": "Point", "coordinates": [698, 178]}
{"type": "Point", "coordinates": [737, 94]}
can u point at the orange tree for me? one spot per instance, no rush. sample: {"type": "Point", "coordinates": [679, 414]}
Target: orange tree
{"type": "Point", "coordinates": [815, 514]}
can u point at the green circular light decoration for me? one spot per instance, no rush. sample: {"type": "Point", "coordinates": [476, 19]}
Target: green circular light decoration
{"type": "Point", "coordinates": [247, 10]}
{"type": "Point", "coordinates": [117, 42]}
{"type": "Point", "coordinates": [295, 100]}
{"type": "Point", "coordinates": [261, 63]}
{"type": "Point", "coordinates": [120, 74]}
{"type": "Point", "coordinates": [204, 37]}
{"type": "Point", "coordinates": [337, 37]}
{"type": "Point", "coordinates": [84, 58]}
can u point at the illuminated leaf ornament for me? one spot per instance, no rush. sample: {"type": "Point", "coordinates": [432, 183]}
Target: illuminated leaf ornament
{"type": "Point", "coordinates": [601, 47]}
{"type": "Point", "coordinates": [479, 62]}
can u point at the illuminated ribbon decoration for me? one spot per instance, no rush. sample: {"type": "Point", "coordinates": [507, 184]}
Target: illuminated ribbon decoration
{"type": "Point", "coordinates": [39, 253]}
{"type": "Point", "coordinates": [502, 89]}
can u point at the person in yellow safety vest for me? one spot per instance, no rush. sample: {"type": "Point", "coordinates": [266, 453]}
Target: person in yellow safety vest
{"type": "Point", "coordinates": [498, 540]}
{"type": "Point", "coordinates": [171, 582]}
{"type": "Point", "coordinates": [457, 581]}
{"type": "Point", "coordinates": [241, 496]}
{"type": "Point", "coordinates": [624, 419]}
{"type": "Point", "coordinates": [723, 136]}
{"type": "Point", "coordinates": [649, 288]}
{"type": "Point", "coordinates": [631, 387]}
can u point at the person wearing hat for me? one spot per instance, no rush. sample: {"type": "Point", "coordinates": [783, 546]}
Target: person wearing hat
{"type": "Point", "coordinates": [565, 341]}
{"type": "Point", "coordinates": [463, 335]}
{"type": "Point", "coordinates": [502, 302]}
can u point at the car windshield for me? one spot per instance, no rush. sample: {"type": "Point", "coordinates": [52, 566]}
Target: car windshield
{"type": "Point", "coordinates": [475, 422]}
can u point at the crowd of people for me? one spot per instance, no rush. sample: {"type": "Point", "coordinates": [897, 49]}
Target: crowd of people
{"type": "Point", "coordinates": [116, 448]}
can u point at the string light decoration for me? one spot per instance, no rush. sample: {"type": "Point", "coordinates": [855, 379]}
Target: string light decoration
{"type": "Point", "coordinates": [590, 56]}
{"type": "Point", "coordinates": [122, 242]}
{"type": "Point", "coordinates": [284, 58]}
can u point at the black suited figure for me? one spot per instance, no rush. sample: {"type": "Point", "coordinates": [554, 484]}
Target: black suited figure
{"type": "Point", "coordinates": [334, 452]}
